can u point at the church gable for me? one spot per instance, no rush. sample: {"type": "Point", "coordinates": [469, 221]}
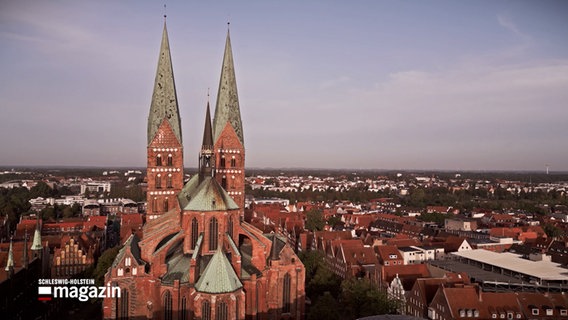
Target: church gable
{"type": "Point", "coordinates": [164, 136]}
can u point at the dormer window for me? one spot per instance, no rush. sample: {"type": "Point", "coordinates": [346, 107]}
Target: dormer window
{"type": "Point", "coordinates": [534, 311]}
{"type": "Point", "coordinates": [549, 312]}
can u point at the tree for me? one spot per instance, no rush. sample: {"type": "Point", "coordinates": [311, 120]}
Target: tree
{"type": "Point", "coordinates": [105, 261]}
{"type": "Point", "coordinates": [311, 261]}
{"type": "Point", "coordinates": [323, 281]}
{"type": "Point", "coordinates": [361, 298]}
{"type": "Point", "coordinates": [326, 307]}
{"type": "Point", "coordinates": [314, 220]}
{"type": "Point", "coordinates": [333, 221]}
{"type": "Point", "coordinates": [553, 231]}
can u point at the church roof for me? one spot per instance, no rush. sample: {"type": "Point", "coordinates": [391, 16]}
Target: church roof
{"type": "Point", "coordinates": [219, 276]}
{"type": "Point", "coordinates": [164, 99]}
{"type": "Point", "coordinates": [205, 196]}
{"type": "Point", "coordinates": [227, 108]}
{"type": "Point", "coordinates": [178, 266]}
{"type": "Point", "coordinates": [132, 244]}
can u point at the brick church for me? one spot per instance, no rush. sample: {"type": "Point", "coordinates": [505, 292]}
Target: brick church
{"type": "Point", "coordinates": [197, 257]}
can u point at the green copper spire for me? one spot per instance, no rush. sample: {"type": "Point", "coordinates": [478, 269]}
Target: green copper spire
{"type": "Point", "coordinates": [206, 155]}
{"type": "Point", "coordinates": [36, 244]}
{"type": "Point", "coordinates": [164, 99]}
{"type": "Point", "coordinates": [10, 262]}
{"type": "Point", "coordinates": [227, 108]}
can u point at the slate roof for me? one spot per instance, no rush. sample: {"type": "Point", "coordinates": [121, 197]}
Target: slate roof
{"type": "Point", "coordinates": [219, 276]}
{"type": "Point", "coordinates": [178, 266]}
{"type": "Point", "coordinates": [205, 196]}
{"type": "Point", "coordinates": [132, 243]}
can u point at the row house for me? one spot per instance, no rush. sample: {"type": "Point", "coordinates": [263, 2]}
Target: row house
{"type": "Point", "coordinates": [424, 289]}
{"type": "Point", "coordinates": [420, 254]}
{"type": "Point", "coordinates": [469, 301]}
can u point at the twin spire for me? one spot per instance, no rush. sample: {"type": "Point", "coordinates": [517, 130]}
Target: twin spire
{"type": "Point", "coordinates": [227, 108]}
{"type": "Point", "coordinates": [164, 104]}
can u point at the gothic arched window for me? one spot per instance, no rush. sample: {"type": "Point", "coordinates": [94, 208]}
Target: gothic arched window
{"type": "Point", "coordinates": [123, 307]}
{"type": "Point", "coordinates": [167, 306]}
{"type": "Point", "coordinates": [230, 226]}
{"type": "Point", "coordinates": [286, 293]}
{"type": "Point", "coordinates": [222, 312]}
{"type": "Point", "coordinates": [166, 205]}
{"type": "Point", "coordinates": [222, 161]}
{"type": "Point", "coordinates": [194, 232]}
{"type": "Point", "coordinates": [224, 182]}
{"type": "Point", "coordinates": [233, 162]}
{"type": "Point", "coordinates": [158, 160]}
{"type": "Point", "coordinates": [213, 233]}
{"type": "Point", "coordinates": [183, 311]}
{"type": "Point", "coordinates": [170, 160]}
{"type": "Point", "coordinates": [158, 181]}
{"type": "Point", "coordinates": [154, 204]}
{"type": "Point", "coordinates": [206, 310]}
{"type": "Point", "coordinates": [169, 181]}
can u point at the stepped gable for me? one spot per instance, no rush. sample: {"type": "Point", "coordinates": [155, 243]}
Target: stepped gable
{"type": "Point", "coordinates": [219, 276]}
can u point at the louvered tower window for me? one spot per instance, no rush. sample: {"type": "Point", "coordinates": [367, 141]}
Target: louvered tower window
{"type": "Point", "coordinates": [158, 181]}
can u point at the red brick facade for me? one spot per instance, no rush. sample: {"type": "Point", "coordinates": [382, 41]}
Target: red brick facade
{"type": "Point", "coordinates": [164, 171]}
{"type": "Point", "coordinates": [230, 164]}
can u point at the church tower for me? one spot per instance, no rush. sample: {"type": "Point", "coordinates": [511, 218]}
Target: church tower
{"type": "Point", "coordinates": [165, 149]}
{"type": "Point", "coordinates": [228, 137]}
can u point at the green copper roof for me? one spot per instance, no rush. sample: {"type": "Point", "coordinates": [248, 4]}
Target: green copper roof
{"type": "Point", "coordinates": [205, 196]}
{"type": "Point", "coordinates": [227, 108]}
{"type": "Point", "coordinates": [164, 99]}
{"type": "Point", "coordinates": [219, 276]}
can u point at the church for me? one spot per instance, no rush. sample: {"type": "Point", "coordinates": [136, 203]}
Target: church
{"type": "Point", "coordinates": [197, 257]}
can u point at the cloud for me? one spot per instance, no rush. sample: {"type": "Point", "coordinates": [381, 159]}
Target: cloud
{"type": "Point", "coordinates": [507, 22]}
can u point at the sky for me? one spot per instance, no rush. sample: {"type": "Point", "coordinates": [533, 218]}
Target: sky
{"type": "Point", "coordinates": [398, 85]}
